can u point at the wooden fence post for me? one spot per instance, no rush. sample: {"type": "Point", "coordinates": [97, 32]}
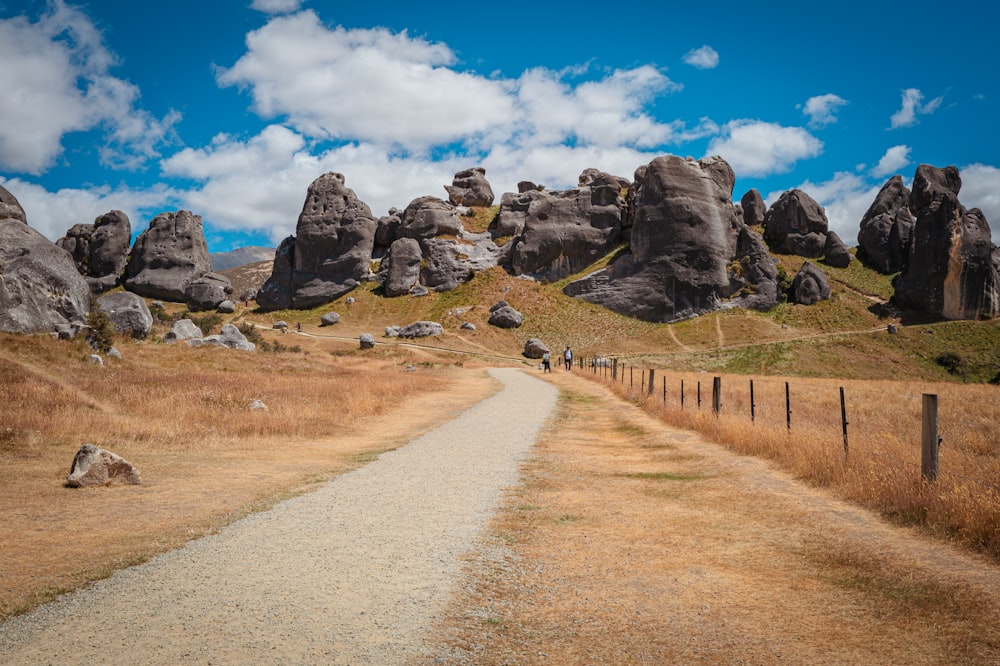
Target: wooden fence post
{"type": "Point", "coordinates": [614, 369]}
{"type": "Point", "coordinates": [753, 407]}
{"type": "Point", "coordinates": [843, 418]}
{"type": "Point", "coordinates": [682, 394]}
{"type": "Point", "coordinates": [788, 408]}
{"type": "Point", "coordinates": [717, 395]}
{"type": "Point", "coordinates": [664, 391]}
{"type": "Point", "coordinates": [652, 385]}
{"type": "Point", "coordinates": [642, 380]}
{"type": "Point", "coordinates": [929, 449]}
{"type": "Point", "coordinates": [699, 394]}
{"type": "Point", "coordinates": [631, 371]}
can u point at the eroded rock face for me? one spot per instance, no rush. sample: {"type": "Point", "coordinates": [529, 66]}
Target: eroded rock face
{"type": "Point", "coordinates": [401, 267]}
{"type": "Point", "coordinates": [810, 285]}
{"type": "Point", "coordinates": [207, 292]}
{"type": "Point", "coordinates": [682, 240]}
{"type": "Point", "coordinates": [330, 253]}
{"type": "Point", "coordinates": [183, 329]}
{"type": "Point", "coordinates": [884, 238]}
{"type": "Point", "coordinates": [563, 232]}
{"type": "Point", "coordinates": [470, 188]}
{"type": "Point", "coordinates": [128, 313]}
{"type": "Point", "coordinates": [535, 348]}
{"type": "Point", "coordinates": [754, 208]}
{"type": "Point", "coordinates": [951, 270]}
{"type": "Point", "coordinates": [756, 284]}
{"type": "Point", "coordinates": [835, 253]}
{"type": "Point", "coordinates": [40, 289]}
{"type": "Point", "coordinates": [797, 225]}
{"type": "Point", "coordinates": [168, 256]}
{"type": "Point", "coordinates": [94, 466]}
{"type": "Point", "coordinates": [10, 207]}
{"type": "Point", "coordinates": [421, 329]}
{"type": "Point", "coordinates": [502, 315]}
{"type": "Point", "coordinates": [100, 249]}
{"type": "Point", "coordinates": [429, 217]}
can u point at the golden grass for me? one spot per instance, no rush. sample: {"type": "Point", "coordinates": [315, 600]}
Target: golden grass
{"type": "Point", "coordinates": [881, 468]}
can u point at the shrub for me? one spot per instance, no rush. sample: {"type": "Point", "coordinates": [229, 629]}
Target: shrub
{"type": "Point", "coordinates": [950, 361]}
{"type": "Point", "coordinates": [102, 333]}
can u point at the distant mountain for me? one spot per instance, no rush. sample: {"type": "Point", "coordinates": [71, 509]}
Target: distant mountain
{"type": "Point", "coordinates": [241, 256]}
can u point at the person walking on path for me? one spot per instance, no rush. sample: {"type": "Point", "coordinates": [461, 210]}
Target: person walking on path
{"type": "Point", "coordinates": [568, 358]}
{"type": "Point", "coordinates": [547, 362]}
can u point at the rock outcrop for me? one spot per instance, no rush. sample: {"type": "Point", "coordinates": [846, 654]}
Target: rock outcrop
{"type": "Point", "coordinates": [128, 313]}
{"type": "Point", "coordinates": [330, 253]}
{"type": "Point", "coordinates": [168, 256]}
{"type": "Point", "coordinates": [884, 238]}
{"type": "Point", "coordinates": [10, 207]}
{"type": "Point", "coordinates": [400, 269]}
{"type": "Point", "coordinates": [207, 292]}
{"type": "Point", "coordinates": [754, 276]}
{"type": "Point", "coordinates": [796, 224]}
{"type": "Point", "coordinates": [835, 253]}
{"type": "Point", "coordinates": [94, 466]}
{"type": "Point", "coordinates": [40, 289]}
{"type": "Point", "coordinates": [535, 348]}
{"type": "Point", "coordinates": [183, 329]}
{"type": "Point", "coordinates": [563, 232]}
{"type": "Point", "coordinates": [229, 337]}
{"type": "Point", "coordinates": [683, 238]}
{"type": "Point", "coordinates": [754, 208]}
{"type": "Point", "coordinates": [470, 188]}
{"type": "Point", "coordinates": [810, 285]}
{"type": "Point", "coordinates": [952, 270]}
{"type": "Point", "coordinates": [502, 315]}
{"type": "Point", "coordinates": [100, 249]}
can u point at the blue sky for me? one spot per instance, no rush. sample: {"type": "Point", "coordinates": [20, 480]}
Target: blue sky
{"type": "Point", "coordinates": [231, 108]}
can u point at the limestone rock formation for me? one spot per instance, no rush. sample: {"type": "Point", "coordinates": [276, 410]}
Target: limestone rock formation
{"type": "Point", "coordinates": [810, 285]}
{"type": "Point", "coordinates": [168, 256]}
{"type": "Point", "coordinates": [421, 329]}
{"type": "Point", "coordinates": [401, 267]}
{"type": "Point", "coordinates": [10, 207]}
{"type": "Point", "coordinates": [429, 217]}
{"type": "Point", "coordinates": [754, 278]}
{"type": "Point", "coordinates": [952, 270]}
{"type": "Point", "coordinates": [797, 225]}
{"type": "Point", "coordinates": [886, 229]}
{"type": "Point", "coordinates": [229, 336]}
{"type": "Point", "coordinates": [100, 249]}
{"type": "Point", "coordinates": [128, 313]}
{"type": "Point", "coordinates": [502, 315]}
{"type": "Point", "coordinates": [207, 292]}
{"type": "Point", "coordinates": [470, 188]}
{"type": "Point", "coordinates": [94, 466]}
{"type": "Point", "coordinates": [329, 319]}
{"type": "Point", "coordinates": [40, 288]}
{"type": "Point", "coordinates": [754, 208]}
{"type": "Point", "coordinates": [330, 253]}
{"type": "Point", "coordinates": [835, 253]}
{"type": "Point", "coordinates": [366, 341]}
{"type": "Point", "coordinates": [563, 232]}
{"type": "Point", "coordinates": [535, 348]}
{"type": "Point", "coordinates": [183, 329]}
{"type": "Point", "coordinates": [682, 241]}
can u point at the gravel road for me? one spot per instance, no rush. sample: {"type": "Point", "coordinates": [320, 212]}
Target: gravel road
{"type": "Point", "coordinates": [354, 573]}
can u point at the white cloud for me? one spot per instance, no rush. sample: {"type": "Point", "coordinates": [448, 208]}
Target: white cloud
{"type": "Point", "coordinates": [276, 6]}
{"type": "Point", "coordinates": [704, 57]}
{"type": "Point", "coordinates": [53, 213]}
{"type": "Point", "coordinates": [981, 189]}
{"type": "Point", "coordinates": [822, 109]}
{"type": "Point", "coordinates": [912, 107]}
{"type": "Point", "coordinates": [894, 159]}
{"type": "Point", "coordinates": [756, 148]}
{"type": "Point", "coordinates": [845, 198]}
{"type": "Point", "coordinates": [56, 80]}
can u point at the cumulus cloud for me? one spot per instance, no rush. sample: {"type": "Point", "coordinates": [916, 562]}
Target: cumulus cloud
{"type": "Point", "coordinates": [894, 159]}
{"type": "Point", "coordinates": [59, 68]}
{"type": "Point", "coordinates": [912, 107]}
{"type": "Point", "coordinates": [53, 213]}
{"type": "Point", "coordinates": [822, 109]}
{"type": "Point", "coordinates": [276, 6]}
{"type": "Point", "coordinates": [756, 148]}
{"type": "Point", "coordinates": [981, 189]}
{"type": "Point", "coordinates": [845, 198]}
{"type": "Point", "coordinates": [704, 57]}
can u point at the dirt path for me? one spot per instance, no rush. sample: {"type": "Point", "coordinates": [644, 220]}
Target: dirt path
{"type": "Point", "coordinates": [354, 573]}
{"type": "Point", "coordinates": [632, 542]}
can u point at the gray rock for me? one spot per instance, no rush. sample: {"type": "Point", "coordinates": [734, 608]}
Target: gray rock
{"type": "Point", "coordinates": [168, 256]}
{"type": "Point", "coordinates": [953, 266]}
{"type": "Point", "coordinates": [10, 208]}
{"type": "Point", "coordinates": [835, 253]}
{"type": "Point", "coordinates": [468, 326]}
{"type": "Point", "coordinates": [563, 232]}
{"type": "Point", "coordinates": [97, 360]}
{"type": "Point", "coordinates": [682, 241]}
{"type": "Point", "coordinates": [810, 285]}
{"type": "Point", "coordinates": [754, 208]}
{"type": "Point", "coordinates": [330, 253]}
{"type": "Point", "coordinates": [128, 313]}
{"type": "Point", "coordinates": [230, 337]}
{"type": "Point", "coordinates": [387, 231]}
{"type": "Point", "coordinates": [391, 331]}
{"type": "Point", "coordinates": [226, 307]}
{"type": "Point", "coordinates": [506, 317]}
{"type": "Point", "coordinates": [349, 300]}
{"type": "Point", "coordinates": [421, 329]}
{"type": "Point", "coordinates": [258, 406]}
{"type": "Point", "coordinates": [756, 284]}
{"type": "Point", "coordinates": [183, 329]}
{"type": "Point", "coordinates": [94, 466]}
{"type": "Point", "coordinates": [411, 368]}
{"type": "Point", "coordinates": [115, 353]}
{"type": "Point", "coordinates": [207, 292]}
{"type": "Point", "coordinates": [797, 225]}
{"type": "Point", "coordinates": [430, 217]}
{"type": "Point", "coordinates": [248, 294]}
{"type": "Point", "coordinates": [884, 239]}
{"type": "Point", "coordinates": [470, 188]}
{"type": "Point", "coordinates": [535, 348]}
{"type": "Point", "coordinates": [280, 325]}
{"type": "Point", "coordinates": [419, 290]}
{"type": "Point", "coordinates": [100, 249]}
{"type": "Point", "coordinates": [401, 267]}
{"type": "Point", "coordinates": [329, 319]}
{"type": "Point", "coordinates": [367, 341]}
{"type": "Point", "coordinates": [40, 288]}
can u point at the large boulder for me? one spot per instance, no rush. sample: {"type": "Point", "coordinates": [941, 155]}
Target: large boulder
{"type": "Point", "coordinates": [94, 466]}
{"type": "Point", "coordinates": [127, 312]}
{"type": "Point", "coordinates": [207, 292]}
{"type": "Point", "coordinates": [810, 285]}
{"type": "Point", "coordinates": [951, 270]}
{"type": "Point", "coordinates": [502, 315]}
{"type": "Point", "coordinates": [753, 276]}
{"type": "Point", "coordinates": [535, 348]}
{"type": "Point", "coordinates": [450, 263]}
{"type": "Point", "coordinates": [10, 207]}
{"type": "Point", "coordinates": [835, 253]}
{"type": "Point", "coordinates": [100, 249]}
{"type": "Point", "coordinates": [401, 267]}
{"type": "Point", "coordinates": [563, 232]}
{"type": "Point", "coordinates": [470, 188]}
{"type": "Point", "coordinates": [330, 253]}
{"type": "Point", "coordinates": [229, 336]}
{"type": "Point", "coordinates": [168, 256]}
{"type": "Point", "coordinates": [682, 241]}
{"type": "Point", "coordinates": [796, 224]}
{"type": "Point", "coordinates": [886, 229]}
{"type": "Point", "coordinates": [430, 217]}
{"type": "Point", "coordinates": [183, 329]}
{"type": "Point", "coordinates": [754, 208]}
{"type": "Point", "coordinates": [421, 329]}
{"type": "Point", "coordinates": [40, 288]}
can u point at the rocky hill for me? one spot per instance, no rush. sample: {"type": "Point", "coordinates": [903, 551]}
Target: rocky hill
{"type": "Point", "coordinates": [241, 256]}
